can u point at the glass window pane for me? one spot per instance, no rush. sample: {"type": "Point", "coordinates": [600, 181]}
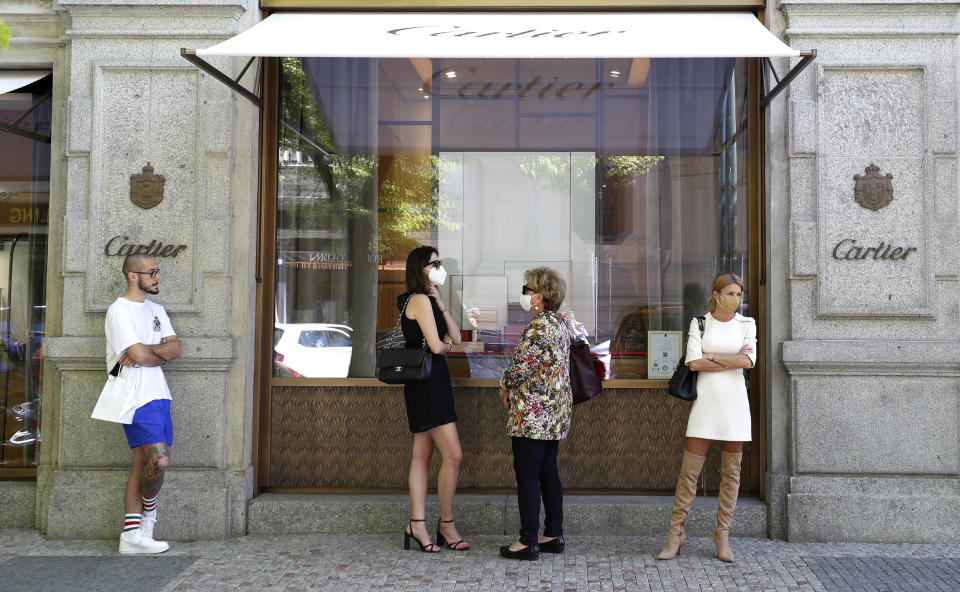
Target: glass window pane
{"type": "Point", "coordinates": [626, 176]}
{"type": "Point", "coordinates": [24, 207]}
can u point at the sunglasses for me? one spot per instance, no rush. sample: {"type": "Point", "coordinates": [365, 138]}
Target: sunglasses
{"type": "Point", "coordinates": [527, 288]}
{"type": "Point", "coordinates": [435, 264]}
{"type": "Point", "coordinates": [153, 273]}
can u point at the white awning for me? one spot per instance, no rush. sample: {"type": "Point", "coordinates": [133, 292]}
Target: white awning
{"type": "Point", "coordinates": [11, 80]}
{"type": "Point", "coordinates": [505, 35]}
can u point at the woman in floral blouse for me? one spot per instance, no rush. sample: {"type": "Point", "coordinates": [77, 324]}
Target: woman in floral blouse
{"type": "Point", "coordinates": [535, 390]}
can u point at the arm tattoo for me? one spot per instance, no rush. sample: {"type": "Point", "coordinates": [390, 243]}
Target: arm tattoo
{"type": "Point", "coordinates": [153, 472]}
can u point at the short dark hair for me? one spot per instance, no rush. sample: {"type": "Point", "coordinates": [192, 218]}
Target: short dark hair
{"type": "Point", "coordinates": [132, 262]}
{"type": "Point", "coordinates": [416, 261]}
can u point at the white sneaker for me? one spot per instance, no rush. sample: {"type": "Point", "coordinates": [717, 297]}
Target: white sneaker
{"type": "Point", "coordinates": [147, 522]}
{"type": "Point", "coordinates": [133, 541]}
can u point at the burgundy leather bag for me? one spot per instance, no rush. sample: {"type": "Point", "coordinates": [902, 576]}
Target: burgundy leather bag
{"type": "Point", "coordinates": [584, 377]}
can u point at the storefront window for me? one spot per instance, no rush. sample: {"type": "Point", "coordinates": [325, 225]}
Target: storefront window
{"type": "Point", "coordinates": [24, 198]}
{"type": "Point", "coordinates": [629, 177]}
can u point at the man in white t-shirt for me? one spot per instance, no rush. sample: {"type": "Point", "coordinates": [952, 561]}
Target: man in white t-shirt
{"type": "Point", "coordinates": [139, 335]}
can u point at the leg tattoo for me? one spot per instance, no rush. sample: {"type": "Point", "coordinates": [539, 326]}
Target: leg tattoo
{"type": "Point", "coordinates": [158, 456]}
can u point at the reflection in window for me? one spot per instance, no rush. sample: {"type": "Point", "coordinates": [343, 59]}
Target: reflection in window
{"type": "Point", "coordinates": [24, 211]}
{"type": "Point", "coordinates": [626, 176]}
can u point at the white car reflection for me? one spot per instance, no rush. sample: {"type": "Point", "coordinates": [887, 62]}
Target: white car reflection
{"type": "Point", "coordinates": [313, 350]}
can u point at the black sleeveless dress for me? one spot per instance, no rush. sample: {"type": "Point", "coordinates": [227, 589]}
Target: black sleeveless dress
{"type": "Point", "coordinates": [429, 403]}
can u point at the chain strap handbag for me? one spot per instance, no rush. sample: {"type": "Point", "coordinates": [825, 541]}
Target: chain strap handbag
{"type": "Point", "coordinates": [399, 364]}
{"type": "Point", "coordinates": [683, 383]}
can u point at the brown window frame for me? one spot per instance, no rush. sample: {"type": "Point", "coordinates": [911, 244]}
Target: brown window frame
{"type": "Point", "coordinates": [264, 381]}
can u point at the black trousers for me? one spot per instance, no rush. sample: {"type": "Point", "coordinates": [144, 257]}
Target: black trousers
{"type": "Point", "coordinates": [535, 464]}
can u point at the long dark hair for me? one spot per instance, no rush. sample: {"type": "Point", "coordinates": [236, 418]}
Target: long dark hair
{"type": "Point", "coordinates": [416, 261]}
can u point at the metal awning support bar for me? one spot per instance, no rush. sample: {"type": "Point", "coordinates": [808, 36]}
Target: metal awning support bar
{"type": "Point", "coordinates": [244, 71]}
{"type": "Point", "coordinates": [13, 129]}
{"type": "Point", "coordinates": [807, 57]}
{"type": "Point", "coordinates": [24, 133]}
{"type": "Point", "coordinates": [234, 84]}
{"type": "Point", "coordinates": [191, 56]}
{"type": "Point", "coordinates": [772, 69]}
{"type": "Point", "coordinates": [290, 127]}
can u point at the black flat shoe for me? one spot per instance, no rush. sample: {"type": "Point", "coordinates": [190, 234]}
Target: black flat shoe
{"type": "Point", "coordinates": [552, 546]}
{"type": "Point", "coordinates": [525, 554]}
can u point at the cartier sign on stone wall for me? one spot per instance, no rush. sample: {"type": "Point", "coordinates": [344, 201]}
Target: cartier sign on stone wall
{"type": "Point", "coordinates": [872, 191]}
{"type": "Point", "coordinates": [121, 246]}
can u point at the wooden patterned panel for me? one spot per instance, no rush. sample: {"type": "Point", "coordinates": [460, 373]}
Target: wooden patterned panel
{"type": "Point", "coordinates": [357, 437]}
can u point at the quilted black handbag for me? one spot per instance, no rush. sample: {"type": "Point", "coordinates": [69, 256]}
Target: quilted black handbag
{"type": "Point", "coordinates": [399, 364]}
{"type": "Point", "coordinates": [683, 383]}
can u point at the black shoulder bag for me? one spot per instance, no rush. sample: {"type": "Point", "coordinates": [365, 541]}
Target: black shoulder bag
{"type": "Point", "coordinates": [399, 364]}
{"type": "Point", "coordinates": [683, 383]}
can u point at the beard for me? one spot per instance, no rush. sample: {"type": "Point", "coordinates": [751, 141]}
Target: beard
{"type": "Point", "coordinates": [146, 288]}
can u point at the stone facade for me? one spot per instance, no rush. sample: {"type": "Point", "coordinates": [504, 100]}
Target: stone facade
{"type": "Point", "coordinates": [863, 418]}
{"type": "Point", "coordinates": [124, 97]}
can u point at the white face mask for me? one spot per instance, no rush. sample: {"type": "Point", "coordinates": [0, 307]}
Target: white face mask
{"type": "Point", "coordinates": [525, 301]}
{"type": "Point", "coordinates": [437, 276]}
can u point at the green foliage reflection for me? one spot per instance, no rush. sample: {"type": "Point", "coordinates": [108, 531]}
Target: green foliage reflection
{"type": "Point", "coordinates": [578, 175]}
{"type": "Point", "coordinates": [331, 185]}
{"type": "Point", "coordinates": [5, 34]}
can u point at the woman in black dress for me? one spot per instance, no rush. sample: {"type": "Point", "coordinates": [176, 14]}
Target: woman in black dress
{"type": "Point", "coordinates": [430, 409]}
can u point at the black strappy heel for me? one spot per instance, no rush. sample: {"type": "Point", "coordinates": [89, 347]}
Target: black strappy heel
{"type": "Point", "coordinates": [452, 546]}
{"type": "Point", "coordinates": [408, 534]}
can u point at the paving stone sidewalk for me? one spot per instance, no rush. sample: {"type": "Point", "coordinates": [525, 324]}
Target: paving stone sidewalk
{"type": "Point", "coordinates": [29, 563]}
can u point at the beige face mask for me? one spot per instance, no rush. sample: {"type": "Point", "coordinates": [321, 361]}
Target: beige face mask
{"type": "Point", "coordinates": [728, 304]}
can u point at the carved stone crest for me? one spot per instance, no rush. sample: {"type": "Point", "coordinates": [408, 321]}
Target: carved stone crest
{"type": "Point", "coordinates": [873, 190]}
{"type": "Point", "coordinates": [146, 189]}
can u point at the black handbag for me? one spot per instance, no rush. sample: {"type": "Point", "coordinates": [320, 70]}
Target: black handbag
{"type": "Point", "coordinates": [399, 364]}
{"type": "Point", "coordinates": [683, 383]}
{"type": "Point", "coordinates": [407, 365]}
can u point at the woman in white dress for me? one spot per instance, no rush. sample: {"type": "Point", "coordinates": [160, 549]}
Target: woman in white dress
{"type": "Point", "coordinates": [721, 411]}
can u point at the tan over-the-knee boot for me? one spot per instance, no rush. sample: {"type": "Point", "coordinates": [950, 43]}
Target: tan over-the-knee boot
{"type": "Point", "coordinates": [682, 499]}
{"type": "Point", "coordinates": [729, 489]}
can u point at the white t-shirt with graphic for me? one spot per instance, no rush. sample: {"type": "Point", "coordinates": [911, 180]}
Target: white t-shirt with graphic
{"type": "Point", "coordinates": [128, 323]}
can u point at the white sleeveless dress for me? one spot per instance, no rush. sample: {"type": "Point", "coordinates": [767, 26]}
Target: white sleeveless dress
{"type": "Point", "coordinates": [722, 410]}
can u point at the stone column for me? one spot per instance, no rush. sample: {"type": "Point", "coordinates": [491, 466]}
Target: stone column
{"type": "Point", "coordinates": [36, 44]}
{"type": "Point", "coordinates": [131, 99]}
{"type": "Point", "coordinates": [864, 438]}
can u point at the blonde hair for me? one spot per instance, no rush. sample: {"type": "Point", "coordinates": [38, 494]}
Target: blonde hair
{"type": "Point", "coordinates": [719, 283]}
{"type": "Point", "coordinates": [546, 281]}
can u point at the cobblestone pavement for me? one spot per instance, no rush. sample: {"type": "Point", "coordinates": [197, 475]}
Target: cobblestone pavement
{"type": "Point", "coordinates": [29, 563]}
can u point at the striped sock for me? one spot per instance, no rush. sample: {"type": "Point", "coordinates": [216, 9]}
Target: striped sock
{"type": "Point", "coordinates": [149, 505]}
{"type": "Point", "coordinates": [131, 522]}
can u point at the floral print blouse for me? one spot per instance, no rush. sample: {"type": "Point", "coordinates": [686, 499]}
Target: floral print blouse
{"type": "Point", "coordinates": [538, 379]}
